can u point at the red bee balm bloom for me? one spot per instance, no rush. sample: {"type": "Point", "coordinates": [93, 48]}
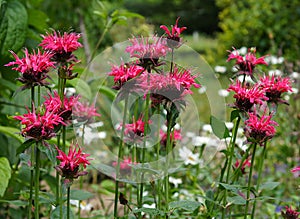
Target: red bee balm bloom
{"type": "Point", "coordinates": [274, 87]}
{"type": "Point", "coordinates": [246, 97]}
{"type": "Point", "coordinates": [124, 73]}
{"type": "Point", "coordinates": [69, 165]}
{"type": "Point", "coordinates": [247, 63]}
{"type": "Point", "coordinates": [173, 137]}
{"type": "Point", "coordinates": [61, 46]}
{"type": "Point", "coordinates": [290, 213]}
{"type": "Point", "coordinates": [148, 50]}
{"type": "Point", "coordinates": [246, 163]}
{"type": "Point", "coordinates": [39, 127]}
{"type": "Point", "coordinates": [261, 129]}
{"type": "Point", "coordinates": [124, 164]}
{"type": "Point", "coordinates": [84, 112]}
{"type": "Point", "coordinates": [53, 104]}
{"type": "Point", "coordinates": [34, 67]}
{"type": "Point", "coordinates": [174, 40]}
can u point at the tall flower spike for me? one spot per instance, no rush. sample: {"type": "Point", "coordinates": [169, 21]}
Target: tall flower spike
{"type": "Point", "coordinates": [259, 130]}
{"type": "Point", "coordinates": [246, 97]}
{"type": "Point", "coordinates": [275, 87]}
{"type": "Point", "coordinates": [61, 46]}
{"type": "Point", "coordinates": [246, 64]}
{"type": "Point", "coordinates": [174, 39]}
{"type": "Point", "coordinates": [33, 67]}
{"type": "Point", "coordinates": [69, 164]}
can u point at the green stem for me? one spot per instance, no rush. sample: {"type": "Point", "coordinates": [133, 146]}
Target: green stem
{"type": "Point", "coordinates": [168, 149]}
{"type": "Point", "coordinates": [172, 61]}
{"type": "Point", "coordinates": [57, 176]}
{"type": "Point", "coordinates": [158, 188]}
{"type": "Point", "coordinates": [261, 163]}
{"type": "Point", "coordinates": [37, 181]}
{"type": "Point", "coordinates": [108, 24]}
{"type": "Point", "coordinates": [120, 150]}
{"type": "Point", "coordinates": [68, 202]}
{"type": "Point", "coordinates": [249, 181]}
{"type": "Point", "coordinates": [81, 178]}
{"type": "Point", "coordinates": [232, 146]}
{"type": "Point", "coordinates": [31, 163]}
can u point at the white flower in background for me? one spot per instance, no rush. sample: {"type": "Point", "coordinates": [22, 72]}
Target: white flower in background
{"type": "Point", "coordinates": [90, 132]}
{"type": "Point", "coordinates": [295, 75]}
{"type": "Point", "coordinates": [200, 140]}
{"type": "Point", "coordinates": [234, 68]}
{"type": "Point", "coordinates": [242, 51]}
{"type": "Point", "coordinates": [83, 205]}
{"type": "Point", "coordinates": [207, 128]}
{"type": "Point", "coordinates": [223, 93]}
{"type": "Point", "coordinates": [70, 91]}
{"type": "Point", "coordinates": [190, 134]}
{"type": "Point", "coordinates": [275, 72]}
{"type": "Point", "coordinates": [286, 97]}
{"type": "Point", "coordinates": [240, 142]}
{"type": "Point", "coordinates": [229, 125]}
{"type": "Point", "coordinates": [175, 181]}
{"type": "Point", "coordinates": [188, 156]}
{"type": "Point", "coordinates": [177, 126]}
{"type": "Point", "coordinates": [202, 90]}
{"type": "Point", "coordinates": [220, 69]}
{"type": "Point", "coordinates": [247, 79]}
{"type": "Point", "coordinates": [274, 60]}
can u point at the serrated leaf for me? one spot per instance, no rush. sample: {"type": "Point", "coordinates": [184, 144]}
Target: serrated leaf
{"type": "Point", "coordinates": [15, 17]}
{"type": "Point", "coordinates": [12, 132]}
{"type": "Point", "coordinates": [219, 128]}
{"type": "Point", "coordinates": [269, 185]}
{"type": "Point", "coordinates": [236, 200]}
{"type": "Point", "coordinates": [80, 194]}
{"type": "Point", "coordinates": [150, 211]}
{"type": "Point", "coordinates": [25, 145]}
{"type": "Point", "coordinates": [5, 174]}
{"type": "Point", "coordinates": [185, 205]}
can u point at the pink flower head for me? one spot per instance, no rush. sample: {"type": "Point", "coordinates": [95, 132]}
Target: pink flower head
{"type": "Point", "coordinates": [54, 104]}
{"type": "Point", "coordinates": [148, 50]}
{"type": "Point", "coordinates": [246, 163]}
{"type": "Point", "coordinates": [184, 77]}
{"type": "Point", "coordinates": [124, 164]}
{"type": "Point", "coordinates": [124, 73]}
{"type": "Point", "coordinates": [259, 129]}
{"type": "Point", "coordinates": [174, 40]}
{"type": "Point", "coordinates": [34, 67]}
{"type": "Point", "coordinates": [246, 97]}
{"type": "Point", "coordinates": [39, 126]}
{"type": "Point", "coordinates": [290, 213]}
{"type": "Point", "coordinates": [296, 171]}
{"type": "Point", "coordinates": [61, 46]}
{"type": "Point", "coordinates": [246, 64]}
{"type": "Point", "coordinates": [137, 127]}
{"type": "Point", "coordinates": [275, 87]}
{"type": "Point", "coordinates": [175, 136]}
{"type": "Point", "coordinates": [84, 112]}
{"type": "Point", "coordinates": [163, 89]}
{"type": "Point", "coordinates": [69, 164]}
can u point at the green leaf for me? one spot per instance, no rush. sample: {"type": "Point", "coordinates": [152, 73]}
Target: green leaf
{"type": "Point", "coordinates": [15, 202]}
{"type": "Point", "coordinates": [234, 114]}
{"type": "Point", "coordinates": [269, 185]}
{"type": "Point", "coordinates": [150, 211]}
{"type": "Point", "coordinates": [110, 93]}
{"type": "Point", "coordinates": [80, 194]}
{"type": "Point", "coordinates": [236, 200]}
{"type": "Point", "coordinates": [13, 27]}
{"type": "Point", "coordinates": [5, 174]}
{"type": "Point", "coordinates": [50, 152]}
{"type": "Point", "coordinates": [185, 205]}
{"type": "Point", "coordinates": [25, 145]}
{"type": "Point", "coordinates": [81, 87]}
{"type": "Point", "coordinates": [37, 19]}
{"type": "Point", "coordinates": [219, 128]}
{"type": "Point", "coordinates": [56, 213]}
{"type": "Point", "coordinates": [233, 188]}
{"type": "Point", "coordinates": [12, 132]}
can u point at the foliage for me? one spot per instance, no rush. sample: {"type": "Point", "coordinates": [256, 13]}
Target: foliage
{"type": "Point", "coordinates": [271, 25]}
